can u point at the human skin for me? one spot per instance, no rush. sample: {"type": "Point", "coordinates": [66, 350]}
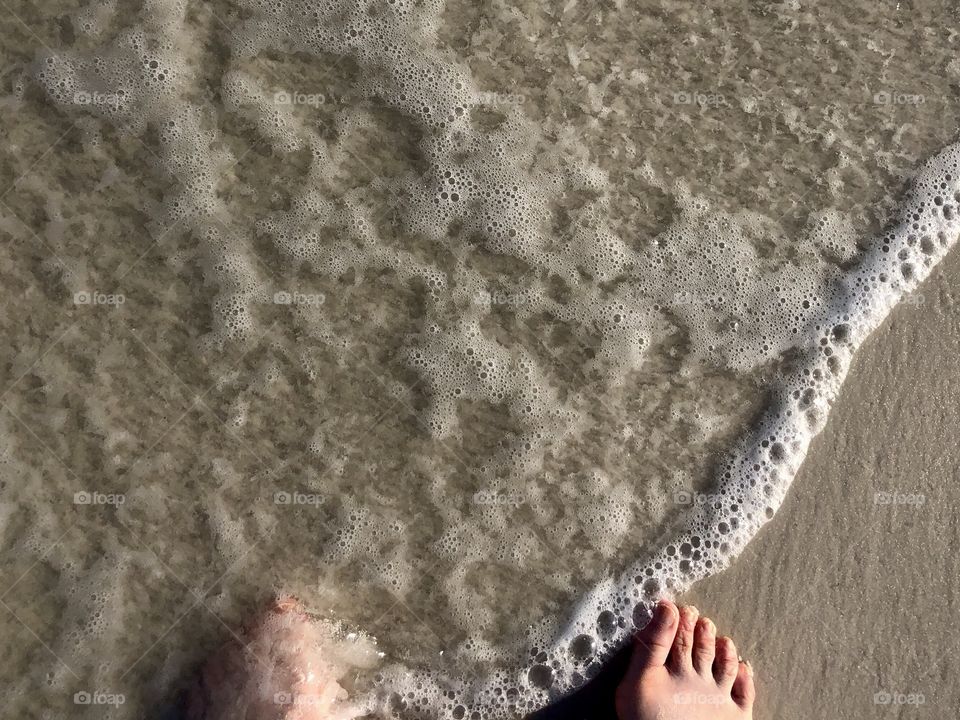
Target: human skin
{"type": "Point", "coordinates": [681, 670]}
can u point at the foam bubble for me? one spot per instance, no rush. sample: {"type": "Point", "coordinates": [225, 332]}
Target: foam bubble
{"type": "Point", "coordinates": [473, 224]}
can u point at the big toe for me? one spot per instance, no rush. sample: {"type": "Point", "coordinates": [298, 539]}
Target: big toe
{"type": "Point", "coordinates": [653, 643]}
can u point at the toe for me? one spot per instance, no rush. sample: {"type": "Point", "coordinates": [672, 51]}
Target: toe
{"type": "Point", "coordinates": [725, 663]}
{"type": "Point", "coordinates": [653, 643]}
{"type": "Point", "coordinates": [704, 646]}
{"type": "Point", "coordinates": [681, 655]}
{"type": "Point", "coordinates": [743, 691]}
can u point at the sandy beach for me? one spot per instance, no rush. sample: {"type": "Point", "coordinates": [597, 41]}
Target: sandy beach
{"type": "Point", "coordinates": [207, 399]}
{"type": "Point", "coordinates": [846, 602]}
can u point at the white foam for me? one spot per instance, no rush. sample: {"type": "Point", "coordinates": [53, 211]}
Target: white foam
{"type": "Point", "coordinates": [738, 308]}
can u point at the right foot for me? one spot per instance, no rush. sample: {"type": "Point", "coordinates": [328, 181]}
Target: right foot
{"type": "Point", "coordinates": [681, 670]}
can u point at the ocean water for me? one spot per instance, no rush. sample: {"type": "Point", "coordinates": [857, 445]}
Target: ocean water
{"type": "Point", "coordinates": [477, 327]}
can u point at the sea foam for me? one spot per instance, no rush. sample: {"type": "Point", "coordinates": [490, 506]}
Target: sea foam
{"type": "Point", "coordinates": [473, 223]}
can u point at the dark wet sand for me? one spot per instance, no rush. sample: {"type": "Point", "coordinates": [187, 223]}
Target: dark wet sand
{"type": "Point", "coordinates": [847, 607]}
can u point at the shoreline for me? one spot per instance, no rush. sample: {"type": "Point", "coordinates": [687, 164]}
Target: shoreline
{"type": "Point", "coordinates": [844, 601]}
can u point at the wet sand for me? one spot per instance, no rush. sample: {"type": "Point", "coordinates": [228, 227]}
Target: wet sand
{"type": "Point", "coordinates": [847, 606]}
{"type": "Point", "coordinates": [846, 602]}
{"type": "Point", "coordinates": [838, 599]}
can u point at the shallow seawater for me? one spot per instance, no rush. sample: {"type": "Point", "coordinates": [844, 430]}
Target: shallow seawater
{"type": "Point", "coordinates": [440, 316]}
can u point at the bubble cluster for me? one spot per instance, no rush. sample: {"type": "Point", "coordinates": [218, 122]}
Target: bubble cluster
{"type": "Point", "coordinates": [755, 477]}
{"type": "Point", "coordinates": [473, 224]}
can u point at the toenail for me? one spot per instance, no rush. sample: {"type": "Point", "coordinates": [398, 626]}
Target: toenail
{"type": "Point", "coordinates": [709, 626]}
{"type": "Point", "coordinates": [749, 668]}
{"type": "Point", "coordinates": [663, 613]}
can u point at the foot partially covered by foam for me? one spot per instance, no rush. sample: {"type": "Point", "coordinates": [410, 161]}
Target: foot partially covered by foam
{"type": "Point", "coordinates": [681, 670]}
{"type": "Point", "coordinates": [285, 665]}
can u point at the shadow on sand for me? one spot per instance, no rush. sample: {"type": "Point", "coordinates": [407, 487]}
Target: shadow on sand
{"type": "Point", "coordinates": [594, 701]}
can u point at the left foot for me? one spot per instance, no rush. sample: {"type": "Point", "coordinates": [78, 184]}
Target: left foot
{"type": "Point", "coordinates": [277, 672]}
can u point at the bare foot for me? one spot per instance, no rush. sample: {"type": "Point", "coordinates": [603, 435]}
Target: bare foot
{"type": "Point", "coordinates": [681, 670]}
{"type": "Point", "coordinates": [274, 670]}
